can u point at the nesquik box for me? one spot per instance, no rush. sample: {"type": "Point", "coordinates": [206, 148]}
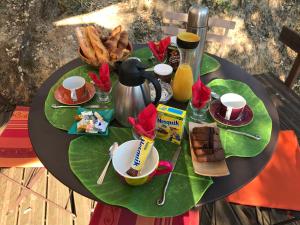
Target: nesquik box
{"type": "Point", "coordinates": [170, 123]}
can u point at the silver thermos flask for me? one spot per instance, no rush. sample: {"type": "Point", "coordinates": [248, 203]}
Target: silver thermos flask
{"type": "Point", "coordinates": [198, 24]}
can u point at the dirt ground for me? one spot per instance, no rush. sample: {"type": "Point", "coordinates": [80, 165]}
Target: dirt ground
{"type": "Point", "coordinates": [37, 36]}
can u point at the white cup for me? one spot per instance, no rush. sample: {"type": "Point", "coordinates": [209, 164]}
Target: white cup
{"type": "Point", "coordinates": [76, 86]}
{"type": "Point", "coordinates": [232, 105]}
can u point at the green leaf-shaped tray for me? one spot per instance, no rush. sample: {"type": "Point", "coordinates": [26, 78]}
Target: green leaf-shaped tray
{"type": "Point", "coordinates": [238, 145]}
{"type": "Point", "coordinates": [63, 118]}
{"type": "Point", "coordinates": [209, 64]}
{"type": "Point", "coordinates": [89, 154]}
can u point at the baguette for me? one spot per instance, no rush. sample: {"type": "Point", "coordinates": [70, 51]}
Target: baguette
{"type": "Point", "coordinates": [100, 50]}
{"type": "Point", "coordinates": [85, 44]}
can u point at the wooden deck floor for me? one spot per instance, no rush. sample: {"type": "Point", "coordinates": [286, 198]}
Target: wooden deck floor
{"type": "Point", "coordinates": [35, 211]}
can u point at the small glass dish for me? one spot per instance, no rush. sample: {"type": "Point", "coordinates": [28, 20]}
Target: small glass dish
{"type": "Point", "coordinates": [166, 92]}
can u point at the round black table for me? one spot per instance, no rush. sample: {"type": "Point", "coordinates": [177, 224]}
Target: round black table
{"type": "Point", "coordinates": [51, 144]}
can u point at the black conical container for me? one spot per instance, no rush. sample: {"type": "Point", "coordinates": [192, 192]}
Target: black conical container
{"type": "Point", "coordinates": [132, 92]}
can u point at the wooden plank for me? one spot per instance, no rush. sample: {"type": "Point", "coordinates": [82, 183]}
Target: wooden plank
{"type": "Point", "coordinates": [218, 38]}
{"type": "Point", "coordinates": [169, 16]}
{"type": "Point", "coordinates": [58, 193]}
{"type": "Point", "coordinates": [4, 118]}
{"type": "Point", "coordinates": [225, 214]}
{"type": "Point", "coordinates": [83, 209]}
{"type": "Point", "coordinates": [8, 194]}
{"type": "Point", "coordinates": [286, 101]}
{"type": "Point", "coordinates": [171, 30]}
{"type": "Point", "coordinates": [290, 38]}
{"type": "Point", "coordinates": [294, 73]}
{"type": "Point", "coordinates": [216, 22]}
{"type": "Point", "coordinates": [32, 208]}
{"type": "Point", "coordinates": [246, 214]}
{"type": "Point", "coordinates": [3, 191]}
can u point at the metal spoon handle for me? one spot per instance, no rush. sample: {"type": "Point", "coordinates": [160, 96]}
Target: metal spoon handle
{"type": "Point", "coordinates": [253, 136]}
{"type": "Point", "coordinates": [76, 106]}
{"type": "Point", "coordinates": [162, 199]}
{"type": "Point", "coordinates": [101, 178]}
{"type": "Point", "coordinates": [64, 106]}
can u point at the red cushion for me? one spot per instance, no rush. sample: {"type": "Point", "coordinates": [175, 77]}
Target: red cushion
{"type": "Point", "coordinates": [277, 186]}
{"type": "Point", "coordinates": [15, 146]}
{"type": "Point", "coordinates": [113, 215]}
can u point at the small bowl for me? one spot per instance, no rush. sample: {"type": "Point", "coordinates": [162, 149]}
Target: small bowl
{"type": "Point", "coordinates": [163, 72]}
{"type": "Point", "coordinates": [97, 64]}
{"type": "Point", "coordinates": [166, 92]}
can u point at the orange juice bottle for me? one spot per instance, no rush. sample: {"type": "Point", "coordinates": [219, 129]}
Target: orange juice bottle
{"type": "Point", "coordinates": [182, 83]}
{"type": "Point", "coordinates": [183, 80]}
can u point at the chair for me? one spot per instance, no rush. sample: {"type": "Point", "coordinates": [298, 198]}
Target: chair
{"type": "Point", "coordinates": [176, 22]}
{"type": "Point", "coordinates": [106, 214]}
{"type": "Point", "coordinates": [16, 151]}
{"type": "Point", "coordinates": [277, 186]}
{"type": "Point", "coordinates": [286, 101]}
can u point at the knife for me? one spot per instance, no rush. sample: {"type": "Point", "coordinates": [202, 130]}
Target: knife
{"type": "Point", "coordinates": [162, 199]}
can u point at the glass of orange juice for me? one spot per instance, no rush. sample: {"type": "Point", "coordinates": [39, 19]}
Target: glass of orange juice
{"type": "Point", "coordinates": [183, 80]}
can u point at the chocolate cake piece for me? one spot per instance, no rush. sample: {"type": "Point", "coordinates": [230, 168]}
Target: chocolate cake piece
{"type": "Point", "coordinates": [201, 152]}
{"type": "Point", "coordinates": [201, 133]}
{"type": "Point", "coordinates": [218, 155]}
{"type": "Point", "coordinates": [206, 144]}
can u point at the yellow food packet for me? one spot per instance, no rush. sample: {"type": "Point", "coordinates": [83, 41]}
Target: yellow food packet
{"type": "Point", "coordinates": [140, 157]}
{"type": "Point", "coordinates": [170, 123]}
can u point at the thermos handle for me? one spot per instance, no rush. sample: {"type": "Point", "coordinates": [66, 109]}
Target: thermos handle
{"type": "Point", "coordinates": [156, 85]}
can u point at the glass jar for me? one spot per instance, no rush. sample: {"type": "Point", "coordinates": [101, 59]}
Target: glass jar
{"type": "Point", "coordinates": [183, 80]}
{"type": "Point", "coordinates": [103, 97]}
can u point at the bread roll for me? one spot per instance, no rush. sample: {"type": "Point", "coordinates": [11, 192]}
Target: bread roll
{"type": "Point", "coordinates": [85, 44]}
{"type": "Point", "coordinates": [116, 54]}
{"type": "Point", "coordinates": [117, 30]}
{"type": "Point", "coordinates": [100, 50]}
{"type": "Point", "coordinates": [123, 41]}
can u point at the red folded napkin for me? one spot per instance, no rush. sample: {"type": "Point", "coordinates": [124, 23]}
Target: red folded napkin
{"type": "Point", "coordinates": [159, 48]}
{"type": "Point", "coordinates": [145, 123]}
{"type": "Point", "coordinates": [103, 82]}
{"type": "Point", "coordinates": [200, 94]}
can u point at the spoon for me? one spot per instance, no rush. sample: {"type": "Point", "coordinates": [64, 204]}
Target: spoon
{"type": "Point", "coordinates": [215, 95]}
{"type": "Point", "coordinates": [253, 136]}
{"type": "Point", "coordinates": [54, 106]}
{"type": "Point", "coordinates": [111, 150]}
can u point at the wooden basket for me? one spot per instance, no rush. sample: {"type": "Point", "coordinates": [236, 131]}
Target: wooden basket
{"type": "Point", "coordinates": [88, 61]}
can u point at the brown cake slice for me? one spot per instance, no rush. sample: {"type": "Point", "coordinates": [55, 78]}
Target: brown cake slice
{"type": "Point", "coordinates": [206, 144]}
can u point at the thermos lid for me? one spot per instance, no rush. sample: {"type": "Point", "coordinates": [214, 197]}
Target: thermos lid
{"type": "Point", "coordinates": [130, 72]}
{"type": "Point", "coordinates": [187, 40]}
{"type": "Point", "coordinates": [197, 16]}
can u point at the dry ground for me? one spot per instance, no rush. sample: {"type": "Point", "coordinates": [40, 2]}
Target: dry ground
{"type": "Point", "coordinates": [33, 47]}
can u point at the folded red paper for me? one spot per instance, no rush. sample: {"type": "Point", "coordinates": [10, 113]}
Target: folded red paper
{"type": "Point", "coordinates": [200, 94]}
{"type": "Point", "coordinates": [103, 81]}
{"type": "Point", "coordinates": [145, 123]}
{"type": "Point", "coordinates": [159, 48]}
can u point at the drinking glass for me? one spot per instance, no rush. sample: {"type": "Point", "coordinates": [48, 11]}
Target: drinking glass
{"type": "Point", "coordinates": [103, 96]}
